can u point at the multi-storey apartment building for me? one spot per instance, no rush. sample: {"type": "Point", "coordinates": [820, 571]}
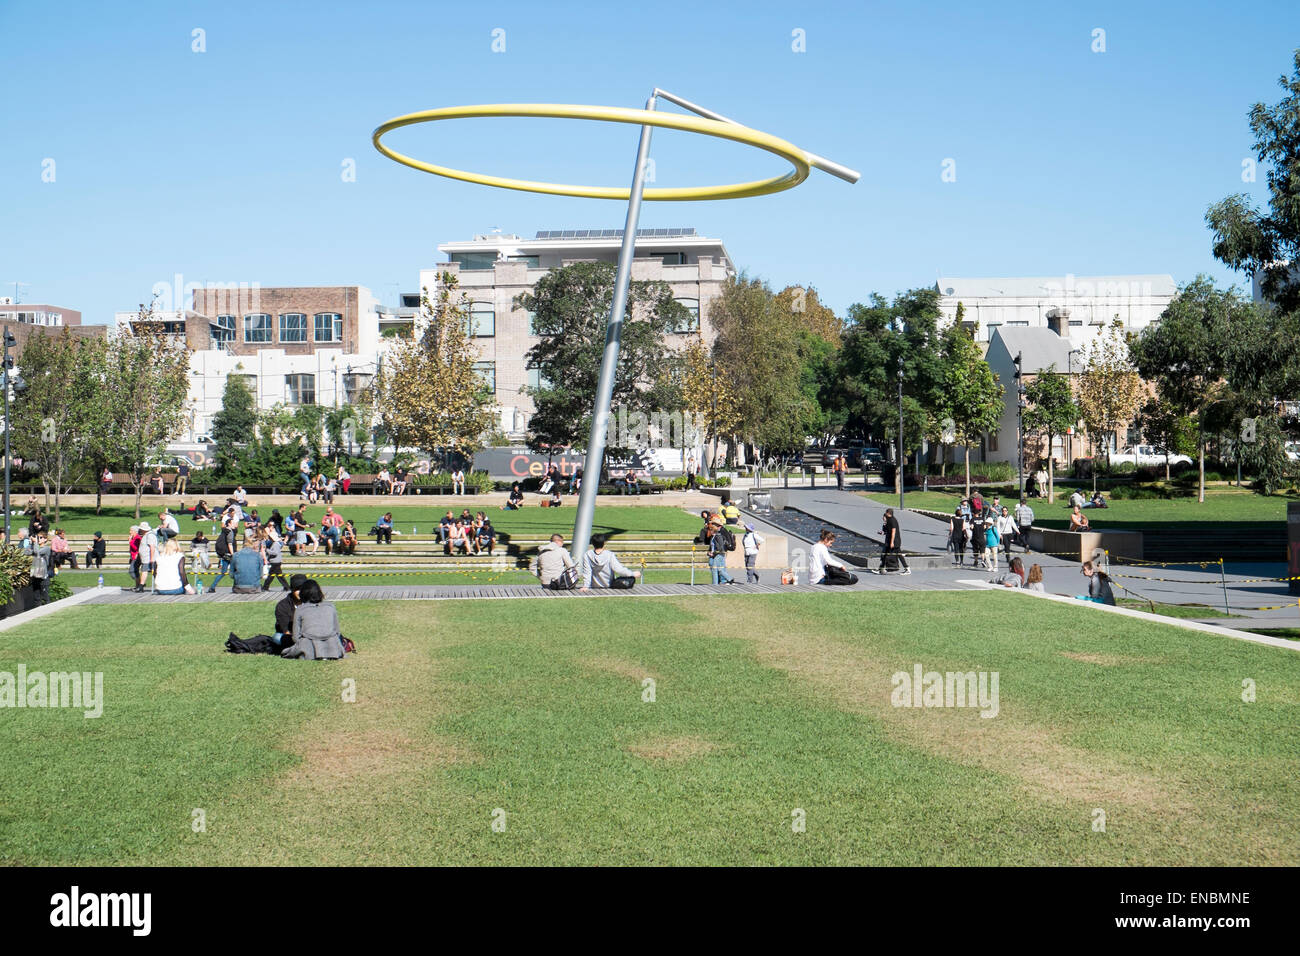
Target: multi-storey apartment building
{"type": "Point", "coordinates": [493, 270]}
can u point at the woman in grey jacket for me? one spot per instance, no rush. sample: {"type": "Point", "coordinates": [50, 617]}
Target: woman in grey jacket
{"type": "Point", "coordinates": [316, 634]}
{"type": "Point", "coordinates": [41, 560]}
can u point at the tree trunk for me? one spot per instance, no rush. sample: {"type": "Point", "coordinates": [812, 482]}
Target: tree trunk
{"type": "Point", "coordinates": [1051, 471]}
{"type": "Point", "coordinates": [966, 448]}
{"type": "Point", "coordinates": [1166, 465]}
{"type": "Point", "coordinates": [1200, 455]}
{"type": "Point", "coordinates": [139, 491]}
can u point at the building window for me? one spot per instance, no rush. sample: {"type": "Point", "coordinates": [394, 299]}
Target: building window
{"type": "Point", "coordinates": [355, 385]}
{"type": "Point", "coordinates": [536, 380]}
{"type": "Point", "coordinates": [300, 389]}
{"type": "Point", "coordinates": [675, 259]}
{"type": "Point", "coordinates": [470, 261]}
{"type": "Point", "coordinates": [293, 327]}
{"type": "Point", "coordinates": [225, 328]}
{"type": "Point", "coordinates": [531, 262]}
{"type": "Point", "coordinates": [1018, 322]}
{"type": "Point", "coordinates": [257, 327]}
{"type": "Point", "coordinates": [482, 321]}
{"type": "Point", "coordinates": [993, 441]}
{"type": "Point", "coordinates": [329, 327]}
{"type": "Point", "coordinates": [532, 322]}
{"type": "Point", "coordinates": [692, 322]}
{"type": "Point", "coordinates": [1076, 323]}
{"type": "Point", "coordinates": [487, 373]}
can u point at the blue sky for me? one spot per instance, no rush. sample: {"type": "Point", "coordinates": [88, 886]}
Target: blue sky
{"type": "Point", "coordinates": [226, 165]}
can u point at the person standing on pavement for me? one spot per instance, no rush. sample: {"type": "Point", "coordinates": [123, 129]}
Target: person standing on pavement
{"type": "Point", "coordinates": [839, 467]}
{"type": "Point", "coordinates": [751, 543]}
{"type": "Point", "coordinates": [1006, 531]}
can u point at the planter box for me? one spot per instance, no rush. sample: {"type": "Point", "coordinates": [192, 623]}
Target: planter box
{"type": "Point", "coordinates": [24, 600]}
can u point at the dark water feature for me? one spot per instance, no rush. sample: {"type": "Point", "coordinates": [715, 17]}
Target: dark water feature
{"type": "Point", "coordinates": [852, 548]}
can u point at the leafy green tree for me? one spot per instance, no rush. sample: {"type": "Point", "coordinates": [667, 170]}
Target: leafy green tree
{"type": "Point", "coordinates": [142, 398]}
{"type": "Point", "coordinates": [1162, 426]}
{"type": "Point", "coordinates": [1109, 387]}
{"type": "Point", "coordinates": [968, 401]}
{"type": "Point", "coordinates": [1185, 356]}
{"type": "Point", "coordinates": [51, 414]}
{"type": "Point", "coordinates": [236, 424]}
{"type": "Point", "coordinates": [570, 307]}
{"type": "Point", "coordinates": [1051, 412]}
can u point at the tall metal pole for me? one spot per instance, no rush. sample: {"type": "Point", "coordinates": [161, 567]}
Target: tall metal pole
{"type": "Point", "coordinates": [902, 456]}
{"type": "Point", "coordinates": [6, 386]}
{"type": "Point", "coordinates": [609, 362]}
{"type": "Point", "coordinates": [713, 419]}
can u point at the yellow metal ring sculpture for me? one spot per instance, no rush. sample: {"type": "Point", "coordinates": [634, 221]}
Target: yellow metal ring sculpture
{"type": "Point", "coordinates": [609, 114]}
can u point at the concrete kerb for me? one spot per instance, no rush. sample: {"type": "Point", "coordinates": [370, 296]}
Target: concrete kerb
{"type": "Point", "coordinates": [1190, 625]}
{"type": "Point", "coordinates": [45, 610]}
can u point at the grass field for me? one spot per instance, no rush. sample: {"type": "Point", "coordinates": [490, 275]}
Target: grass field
{"type": "Point", "coordinates": [767, 710]}
{"type": "Point", "coordinates": [1221, 506]}
{"type": "Point", "coordinates": [330, 579]}
{"type": "Point", "coordinates": [610, 519]}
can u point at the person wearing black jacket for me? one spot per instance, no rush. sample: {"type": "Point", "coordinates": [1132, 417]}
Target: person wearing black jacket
{"type": "Point", "coordinates": [285, 608]}
{"type": "Point", "coordinates": [98, 551]}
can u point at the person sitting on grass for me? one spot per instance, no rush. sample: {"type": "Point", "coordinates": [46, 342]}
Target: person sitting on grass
{"type": "Point", "coordinates": [316, 635]}
{"type": "Point", "coordinates": [516, 499]}
{"type": "Point", "coordinates": [285, 608]}
{"type": "Point", "coordinates": [1097, 501]}
{"type": "Point", "coordinates": [1099, 589]}
{"type": "Point", "coordinates": [602, 569]}
{"type": "Point", "coordinates": [1076, 499]}
{"type": "Point", "coordinates": [384, 529]}
{"type": "Point", "coordinates": [1078, 520]}
{"type": "Point", "coordinates": [1034, 582]}
{"type": "Point", "coordinates": [202, 512]}
{"type": "Point", "coordinates": [1014, 577]}
{"type": "Point", "coordinates": [98, 551]}
{"type": "Point", "coordinates": [553, 566]}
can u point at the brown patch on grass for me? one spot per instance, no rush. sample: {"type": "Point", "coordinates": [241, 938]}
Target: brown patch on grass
{"type": "Point", "coordinates": [1106, 660]}
{"type": "Point", "coordinates": [619, 666]}
{"type": "Point", "coordinates": [1035, 755]}
{"type": "Point", "coordinates": [365, 755]}
{"type": "Point", "coordinates": [672, 749]}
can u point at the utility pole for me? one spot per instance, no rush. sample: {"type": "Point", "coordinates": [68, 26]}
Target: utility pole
{"type": "Point", "coordinates": [9, 341]}
{"type": "Point", "coordinates": [902, 457]}
{"type": "Point", "coordinates": [1020, 431]}
{"type": "Point", "coordinates": [713, 418]}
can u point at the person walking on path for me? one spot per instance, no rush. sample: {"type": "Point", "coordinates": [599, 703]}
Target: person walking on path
{"type": "Point", "coordinates": [1006, 531]}
{"type": "Point", "coordinates": [1024, 523]}
{"type": "Point", "coordinates": [957, 536]}
{"type": "Point", "coordinates": [751, 543]}
{"type": "Point", "coordinates": [691, 467]}
{"type": "Point", "coordinates": [839, 466]}
{"type": "Point", "coordinates": [716, 535]}
{"type": "Point", "coordinates": [894, 543]}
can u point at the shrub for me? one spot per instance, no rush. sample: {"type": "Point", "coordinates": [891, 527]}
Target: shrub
{"type": "Point", "coordinates": [15, 572]}
{"type": "Point", "coordinates": [59, 589]}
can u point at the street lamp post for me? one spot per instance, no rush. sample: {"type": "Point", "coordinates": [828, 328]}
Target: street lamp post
{"type": "Point", "coordinates": [9, 342]}
{"type": "Point", "coordinates": [902, 478]}
{"type": "Point", "coordinates": [1020, 431]}
{"type": "Point", "coordinates": [1069, 443]}
{"type": "Point", "coordinates": [713, 419]}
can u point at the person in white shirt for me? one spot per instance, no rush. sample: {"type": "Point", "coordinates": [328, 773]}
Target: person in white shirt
{"type": "Point", "coordinates": [821, 560]}
{"type": "Point", "coordinates": [1006, 530]}
{"type": "Point", "coordinates": [458, 482]}
{"type": "Point", "coordinates": [170, 578]}
{"type": "Point", "coordinates": [167, 522]}
{"type": "Point", "coordinates": [751, 542]}
{"type": "Point", "coordinates": [241, 496]}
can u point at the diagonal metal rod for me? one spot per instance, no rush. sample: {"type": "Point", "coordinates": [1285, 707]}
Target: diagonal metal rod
{"type": "Point", "coordinates": [609, 361]}
{"type": "Point", "coordinates": [821, 162]}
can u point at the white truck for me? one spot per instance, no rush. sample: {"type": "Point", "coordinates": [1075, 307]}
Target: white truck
{"type": "Point", "coordinates": [1149, 455]}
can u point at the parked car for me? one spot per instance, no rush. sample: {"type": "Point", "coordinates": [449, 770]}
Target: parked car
{"type": "Point", "coordinates": [1146, 455]}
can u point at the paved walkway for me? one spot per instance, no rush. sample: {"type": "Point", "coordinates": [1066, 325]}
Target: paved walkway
{"type": "Point", "coordinates": [1250, 591]}
{"type": "Point", "coordinates": [451, 592]}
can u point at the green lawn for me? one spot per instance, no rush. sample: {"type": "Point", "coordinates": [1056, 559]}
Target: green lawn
{"type": "Point", "coordinates": [331, 579]}
{"type": "Point", "coordinates": [610, 519]}
{"type": "Point", "coordinates": [767, 710]}
{"type": "Point", "coordinates": [1221, 506]}
{"type": "Point", "coordinates": [1196, 611]}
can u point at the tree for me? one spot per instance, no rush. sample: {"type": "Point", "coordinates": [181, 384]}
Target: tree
{"type": "Point", "coordinates": [142, 400]}
{"type": "Point", "coordinates": [236, 424]}
{"type": "Point", "coordinates": [707, 394]}
{"type": "Point", "coordinates": [571, 307]}
{"type": "Point", "coordinates": [50, 416]}
{"type": "Point", "coordinates": [1267, 244]}
{"type": "Point", "coordinates": [1052, 411]}
{"type": "Point", "coordinates": [427, 392]}
{"type": "Point", "coordinates": [1185, 355]}
{"type": "Point", "coordinates": [1109, 387]}
{"type": "Point", "coordinates": [969, 399]}
{"type": "Point", "coordinates": [1161, 425]}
